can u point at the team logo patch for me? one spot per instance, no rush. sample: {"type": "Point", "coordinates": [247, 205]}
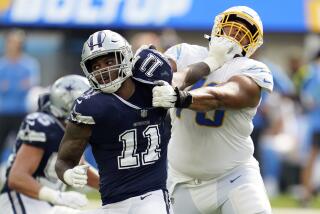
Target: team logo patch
{"type": "Point", "coordinates": [96, 39]}
{"type": "Point", "coordinates": [144, 113]}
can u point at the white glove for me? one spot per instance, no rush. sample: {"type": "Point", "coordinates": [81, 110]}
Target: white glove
{"type": "Point", "coordinates": [77, 176]}
{"type": "Point", "coordinates": [69, 199]}
{"type": "Point", "coordinates": [221, 50]}
{"type": "Point", "coordinates": [163, 95]}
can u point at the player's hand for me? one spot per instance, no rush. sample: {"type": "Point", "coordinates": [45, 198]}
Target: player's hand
{"type": "Point", "coordinates": [77, 176]}
{"type": "Point", "coordinates": [221, 50]}
{"type": "Point", "coordinates": [69, 199]}
{"type": "Point", "coordinates": [164, 95]}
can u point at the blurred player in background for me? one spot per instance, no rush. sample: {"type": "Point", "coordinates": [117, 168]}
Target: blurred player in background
{"type": "Point", "coordinates": [128, 137]}
{"type": "Point", "coordinates": [310, 97]}
{"type": "Point", "coordinates": [32, 185]}
{"type": "Point", "coordinates": [211, 163]}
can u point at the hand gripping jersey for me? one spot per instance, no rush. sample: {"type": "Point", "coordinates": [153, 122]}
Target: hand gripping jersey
{"type": "Point", "coordinates": [207, 145]}
{"type": "Point", "coordinates": [129, 138]}
{"type": "Point", "coordinates": [44, 131]}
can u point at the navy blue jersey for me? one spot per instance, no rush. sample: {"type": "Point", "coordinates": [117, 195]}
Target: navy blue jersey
{"type": "Point", "coordinates": [44, 131]}
{"type": "Point", "coordinates": [129, 141]}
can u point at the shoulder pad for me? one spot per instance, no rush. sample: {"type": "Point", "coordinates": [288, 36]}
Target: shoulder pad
{"type": "Point", "coordinates": [83, 111]}
{"type": "Point", "coordinates": [35, 127]}
{"type": "Point", "coordinates": [150, 65]}
{"type": "Point", "coordinates": [39, 119]}
{"type": "Point", "coordinates": [259, 72]}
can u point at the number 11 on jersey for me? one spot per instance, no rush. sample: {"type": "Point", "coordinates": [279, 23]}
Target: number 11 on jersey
{"type": "Point", "coordinates": [129, 158]}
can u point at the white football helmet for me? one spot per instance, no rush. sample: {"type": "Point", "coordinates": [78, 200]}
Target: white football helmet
{"type": "Point", "coordinates": [102, 43]}
{"type": "Point", "coordinates": [233, 19]}
{"type": "Point", "coordinates": [64, 92]}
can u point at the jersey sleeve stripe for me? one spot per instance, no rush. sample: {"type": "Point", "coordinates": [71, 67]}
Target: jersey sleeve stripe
{"type": "Point", "coordinates": [29, 135]}
{"type": "Point", "coordinates": [77, 118]}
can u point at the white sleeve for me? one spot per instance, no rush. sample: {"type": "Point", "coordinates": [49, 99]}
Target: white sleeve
{"type": "Point", "coordinates": [261, 74]}
{"type": "Point", "coordinates": [185, 54]}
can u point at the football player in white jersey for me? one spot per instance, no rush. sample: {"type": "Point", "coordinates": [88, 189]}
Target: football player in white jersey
{"type": "Point", "coordinates": [211, 163]}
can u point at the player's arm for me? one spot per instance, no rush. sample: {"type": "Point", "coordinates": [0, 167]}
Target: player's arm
{"type": "Point", "coordinates": [25, 164]}
{"type": "Point", "coordinates": [190, 75]}
{"type": "Point", "coordinates": [20, 179]}
{"type": "Point", "coordinates": [71, 149]}
{"type": "Point", "coordinates": [238, 92]}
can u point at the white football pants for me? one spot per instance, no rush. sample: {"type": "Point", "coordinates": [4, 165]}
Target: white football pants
{"type": "Point", "coordinates": [241, 191]}
{"type": "Point", "coordinates": [155, 202]}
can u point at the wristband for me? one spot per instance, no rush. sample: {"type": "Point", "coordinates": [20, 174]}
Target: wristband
{"type": "Point", "coordinates": [184, 98]}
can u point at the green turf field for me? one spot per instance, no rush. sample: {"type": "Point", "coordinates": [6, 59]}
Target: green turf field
{"type": "Point", "coordinates": [288, 201]}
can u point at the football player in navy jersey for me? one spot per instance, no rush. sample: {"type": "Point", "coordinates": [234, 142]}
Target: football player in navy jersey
{"type": "Point", "coordinates": [32, 185]}
{"type": "Point", "coordinates": [128, 136]}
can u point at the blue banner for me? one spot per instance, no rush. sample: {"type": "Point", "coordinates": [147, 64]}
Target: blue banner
{"type": "Point", "coordinates": [284, 15]}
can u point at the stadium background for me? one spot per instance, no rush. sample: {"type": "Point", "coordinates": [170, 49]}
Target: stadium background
{"type": "Point", "coordinates": [56, 30]}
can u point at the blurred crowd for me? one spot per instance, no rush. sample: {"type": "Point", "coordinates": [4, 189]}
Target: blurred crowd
{"type": "Point", "coordinates": [287, 127]}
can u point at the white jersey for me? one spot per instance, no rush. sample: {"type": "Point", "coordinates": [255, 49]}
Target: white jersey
{"type": "Point", "coordinates": [208, 145]}
{"type": "Point", "coordinates": [185, 54]}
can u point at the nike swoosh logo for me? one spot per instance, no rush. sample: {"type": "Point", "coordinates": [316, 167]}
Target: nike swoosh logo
{"type": "Point", "coordinates": [231, 181]}
{"type": "Point", "coordinates": [143, 197]}
{"type": "Point", "coordinates": [79, 101]}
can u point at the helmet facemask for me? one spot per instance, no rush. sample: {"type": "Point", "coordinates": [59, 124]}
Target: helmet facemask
{"type": "Point", "coordinates": [110, 78]}
{"type": "Point", "coordinates": [240, 28]}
